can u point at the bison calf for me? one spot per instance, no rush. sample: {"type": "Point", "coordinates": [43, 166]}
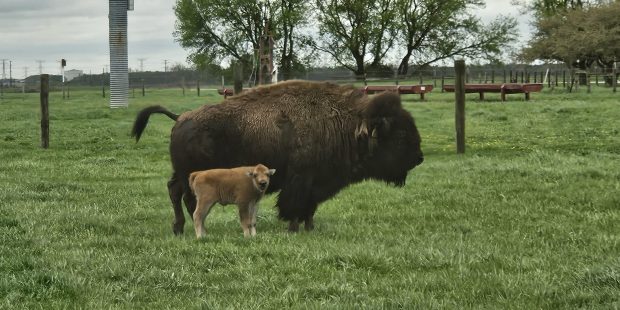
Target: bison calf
{"type": "Point", "coordinates": [243, 186]}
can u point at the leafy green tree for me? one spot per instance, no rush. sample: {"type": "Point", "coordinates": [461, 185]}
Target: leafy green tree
{"type": "Point", "coordinates": [579, 37]}
{"type": "Point", "coordinates": [291, 16]}
{"type": "Point", "coordinates": [356, 33]}
{"type": "Point", "coordinates": [230, 31]}
{"type": "Point", "coordinates": [434, 30]}
{"type": "Point", "coordinates": [359, 34]}
{"type": "Point", "coordinates": [218, 30]}
{"type": "Point", "coordinates": [546, 8]}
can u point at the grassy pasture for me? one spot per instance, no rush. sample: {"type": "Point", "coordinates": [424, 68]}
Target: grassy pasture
{"type": "Point", "coordinates": [526, 219]}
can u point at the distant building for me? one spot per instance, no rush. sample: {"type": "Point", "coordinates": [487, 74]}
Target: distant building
{"type": "Point", "coordinates": [72, 74]}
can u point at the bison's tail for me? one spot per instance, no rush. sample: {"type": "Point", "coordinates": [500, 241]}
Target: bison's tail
{"type": "Point", "coordinates": [143, 118]}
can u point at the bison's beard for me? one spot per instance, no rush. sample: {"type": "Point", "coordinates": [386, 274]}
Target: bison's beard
{"type": "Point", "coordinates": [398, 181]}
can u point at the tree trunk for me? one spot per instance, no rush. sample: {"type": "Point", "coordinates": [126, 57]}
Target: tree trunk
{"type": "Point", "coordinates": [403, 68]}
{"type": "Point", "coordinates": [360, 71]}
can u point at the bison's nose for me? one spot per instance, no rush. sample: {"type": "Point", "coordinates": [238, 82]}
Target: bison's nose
{"type": "Point", "coordinates": [262, 184]}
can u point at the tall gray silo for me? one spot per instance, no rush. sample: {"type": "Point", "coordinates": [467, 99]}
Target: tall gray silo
{"type": "Point", "coordinates": [119, 76]}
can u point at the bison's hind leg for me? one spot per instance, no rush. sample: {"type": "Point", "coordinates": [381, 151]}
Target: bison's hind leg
{"type": "Point", "coordinates": [189, 199]}
{"type": "Point", "coordinates": [175, 190]}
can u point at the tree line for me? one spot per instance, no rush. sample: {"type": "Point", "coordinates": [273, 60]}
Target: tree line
{"type": "Point", "coordinates": [373, 35]}
{"type": "Point", "coordinates": [578, 33]}
{"type": "Point", "coordinates": [360, 35]}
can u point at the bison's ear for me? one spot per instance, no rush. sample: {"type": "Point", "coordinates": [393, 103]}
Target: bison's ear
{"type": "Point", "coordinates": [271, 172]}
{"type": "Point", "coordinates": [250, 173]}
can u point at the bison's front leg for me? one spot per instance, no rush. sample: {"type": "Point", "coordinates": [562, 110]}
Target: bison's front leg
{"type": "Point", "coordinates": [175, 190]}
{"type": "Point", "coordinates": [294, 199]}
{"type": "Point", "coordinates": [293, 225]}
{"type": "Point", "coordinates": [309, 224]}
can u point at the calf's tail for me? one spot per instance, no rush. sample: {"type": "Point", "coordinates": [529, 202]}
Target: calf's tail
{"type": "Point", "coordinates": [143, 118]}
{"type": "Point", "coordinates": [192, 176]}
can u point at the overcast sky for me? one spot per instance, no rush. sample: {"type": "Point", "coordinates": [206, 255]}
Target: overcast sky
{"type": "Point", "coordinates": [49, 30]}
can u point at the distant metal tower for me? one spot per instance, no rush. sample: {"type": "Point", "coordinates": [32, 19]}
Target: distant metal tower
{"type": "Point", "coordinates": [119, 76]}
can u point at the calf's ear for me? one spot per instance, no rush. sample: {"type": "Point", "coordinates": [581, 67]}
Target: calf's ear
{"type": "Point", "coordinates": [250, 173]}
{"type": "Point", "coordinates": [271, 171]}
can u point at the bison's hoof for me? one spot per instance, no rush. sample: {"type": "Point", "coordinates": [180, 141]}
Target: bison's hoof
{"type": "Point", "coordinates": [293, 226]}
{"type": "Point", "coordinates": [177, 229]}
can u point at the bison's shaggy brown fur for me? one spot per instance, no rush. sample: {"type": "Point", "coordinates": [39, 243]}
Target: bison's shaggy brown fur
{"type": "Point", "coordinates": [319, 136]}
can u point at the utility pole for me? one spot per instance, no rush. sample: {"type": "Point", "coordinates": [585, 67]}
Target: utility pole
{"type": "Point", "coordinates": [165, 65]}
{"type": "Point", "coordinates": [3, 70]}
{"type": "Point", "coordinates": [25, 78]}
{"type": "Point", "coordinates": [10, 73]}
{"type": "Point", "coordinates": [40, 62]}
{"type": "Point", "coordinates": [2, 81]}
{"type": "Point", "coordinates": [141, 60]}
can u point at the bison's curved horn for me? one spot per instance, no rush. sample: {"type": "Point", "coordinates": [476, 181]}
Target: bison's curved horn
{"type": "Point", "coordinates": [361, 130]}
{"type": "Point", "coordinates": [373, 142]}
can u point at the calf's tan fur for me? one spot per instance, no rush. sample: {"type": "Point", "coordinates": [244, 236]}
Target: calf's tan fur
{"type": "Point", "coordinates": [243, 186]}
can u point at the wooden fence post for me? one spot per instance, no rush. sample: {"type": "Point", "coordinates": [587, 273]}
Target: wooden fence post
{"type": "Point", "coordinates": [614, 77]}
{"type": "Point", "coordinates": [443, 80]}
{"type": "Point", "coordinates": [238, 78]}
{"type": "Point", "coordinates": [198, 86]}
{"type": "Point", "coordinates": [143, 90]}
{"type": "Point", "coordinates": [45, 115]}
{"type": "Point", "coordinates": [103, 84]}
{"type": "Point", "coordinates": [564, 78]}
{"type": "Point", "coordinates": [459, 116]}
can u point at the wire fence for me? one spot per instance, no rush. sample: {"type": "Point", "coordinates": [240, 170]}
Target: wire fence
{"type": "Point", "coordinates": [192, 81]}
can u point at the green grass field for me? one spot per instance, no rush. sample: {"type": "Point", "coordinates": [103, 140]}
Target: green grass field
{"type": "Point", "coordinates": [528, 218]}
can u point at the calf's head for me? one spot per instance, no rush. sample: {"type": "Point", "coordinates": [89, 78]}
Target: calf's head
{"type": "Point", "coordinates": [260, 177]}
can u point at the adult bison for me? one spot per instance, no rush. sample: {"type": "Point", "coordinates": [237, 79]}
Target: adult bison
{"type": "Point", "coordinates": [320, 137]}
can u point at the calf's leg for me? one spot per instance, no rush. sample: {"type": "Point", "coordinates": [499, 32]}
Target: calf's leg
{"type": "Point", "coordinates": [203, 207]}
{"type": "Point", "coordinates": [254, 213]}
{"type": "Point", "coordinates": [245, 218]}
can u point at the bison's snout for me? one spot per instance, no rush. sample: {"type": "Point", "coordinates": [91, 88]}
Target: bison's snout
{"type": "Point", "coordinates": [420, 160]}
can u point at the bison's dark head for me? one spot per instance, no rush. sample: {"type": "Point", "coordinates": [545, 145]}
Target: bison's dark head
{"type": "Point", "coordinates": [391, 137]}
